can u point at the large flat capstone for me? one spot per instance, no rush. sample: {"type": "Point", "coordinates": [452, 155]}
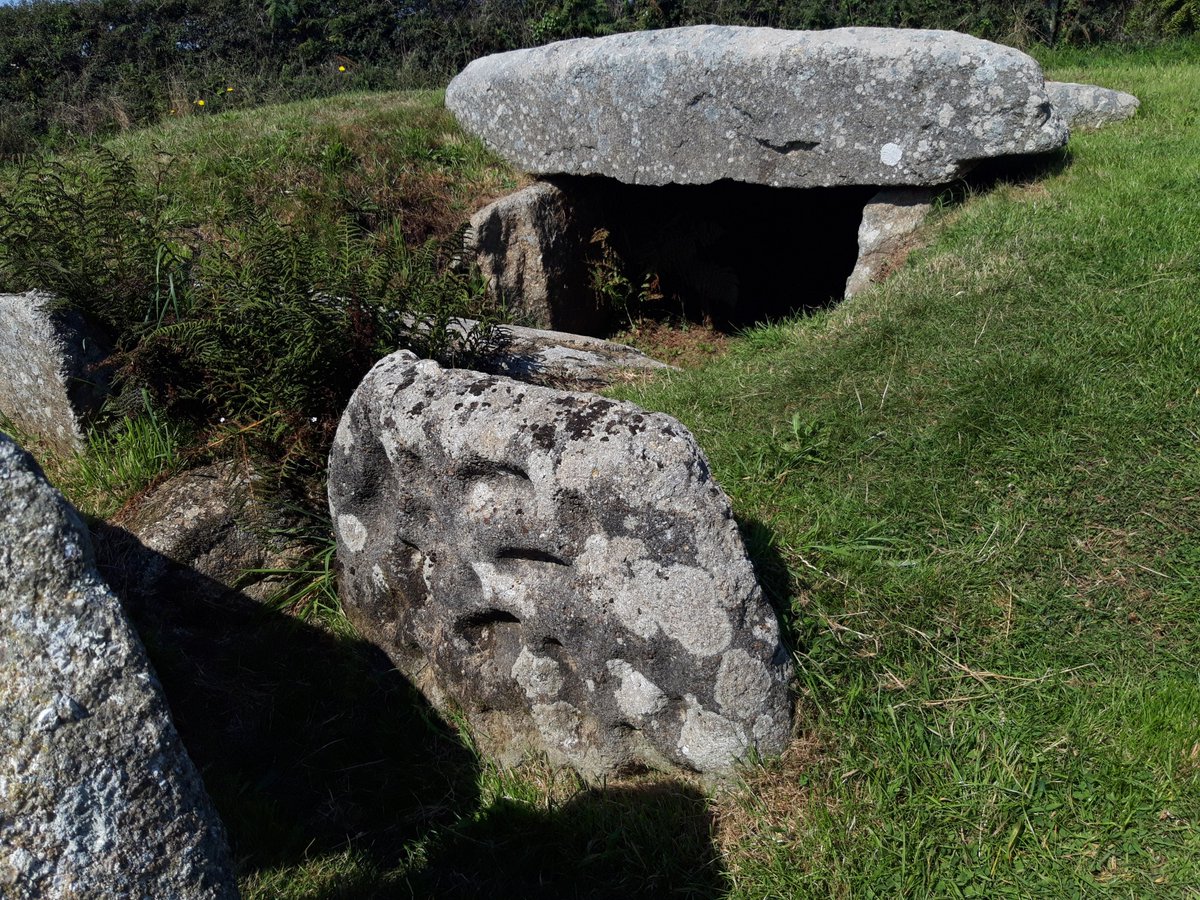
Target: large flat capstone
{"type": "Point", "coordinates": [559, 567]}
{"type": "Point", "coordinates": [694, 105]}
{"type": "Point", "coordinates": [97, 796]}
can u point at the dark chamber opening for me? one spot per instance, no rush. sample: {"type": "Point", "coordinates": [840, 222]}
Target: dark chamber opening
{"type": "Point", "coordinates": [731, 252]}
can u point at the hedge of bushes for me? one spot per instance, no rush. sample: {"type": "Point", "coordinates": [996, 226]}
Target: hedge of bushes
{"type": "Point", "coordinates": [90, 66]}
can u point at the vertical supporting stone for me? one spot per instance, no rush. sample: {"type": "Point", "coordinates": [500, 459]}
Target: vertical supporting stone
{"type": "Point", "coordinates": [51, 370]}
{"type": "Point", "coordinates": [98, 797]}
{"type": "Point", "coordinates": [532, 248]}
{"type": "Point", "coordinates": [887, 234]}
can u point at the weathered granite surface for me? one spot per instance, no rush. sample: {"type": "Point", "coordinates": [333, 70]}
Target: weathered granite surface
{"type": "Point", "coordinates": [560, 567]}
{"type": "Point", "coordinates": [890, 222]}
{"type": "Point", "coordinates": [1085, 107]}
{"type": "Point", "coordinates": [571, 361]}
{"type": "Point", "coordinates": [850, 106]}
{"type": "Point", "coordinates": [205, 530]}
{"type": "Point", "coordinates": [51, 372]}
{"type": "Point", "coordinates": [98, 797]}
{"type": "Point", "coordinates": [531, 246]}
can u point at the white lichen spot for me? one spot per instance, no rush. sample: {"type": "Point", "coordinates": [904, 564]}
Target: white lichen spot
{"type": "Point", "coordinates": [344, 437]}
{"type": "Point", "coordinates": [680, 601]}
{"type": "Point", "coordinates": [538, 676]}
{"type": "Point", "coordinates": [482, 502]}
{"type": "Point", "coordinates": [378, 578]}
{"type": "Point", "coordinates": [502, 588]}
{"type": "Point", "coordinates": [890, 154]}
{"type": "Point", "coordinates": [743, 685]}
{"type": "Point", "coordinates": [638, 697]}
{"type": "Point", "coordinates": [710, 742]}
{"type": "Point", "coordinates": [352, 532]}
{"type": "Point", "coordinates": [558, 723]}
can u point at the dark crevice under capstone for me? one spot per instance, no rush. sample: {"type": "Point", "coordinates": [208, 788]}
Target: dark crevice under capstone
{"type": "Point", "coordinates": [735, 253]}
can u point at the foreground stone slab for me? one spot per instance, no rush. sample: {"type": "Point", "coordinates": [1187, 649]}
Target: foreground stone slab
{"type": "Point", "coordinates": [570, 361]}
{"type": "Point", "coordinates": [560, 359]}
{"type": "Point", "coordinates": [99, 797]}
{"type": "Point", "coordinates": [851, 106]}
{"type": "Point", "coordinates": [890, 222]}
{"type": "Point", "coordinates": [51, 375]}
{"type": "Point", "coordinates": [1086, 107]}
{"type": "Point", "coordinates": [560, 567]}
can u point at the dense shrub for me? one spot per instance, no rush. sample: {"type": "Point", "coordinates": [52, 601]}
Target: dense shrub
{"type": "Point", "coordinates": [256, 321]}
{"type": "Point", "coordinates": [282, 321]}
{"type": "Point", "coordinates": [90, 66]}
{"type": "Point", "coordinates": [88, 232]}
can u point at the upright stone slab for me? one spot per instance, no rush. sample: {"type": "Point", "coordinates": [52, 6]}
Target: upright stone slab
{"type": "Point", "coordinates": [560, 567]}
{"type": "Point", "coordinates": [531, 246]}
{"type": "Point", "coordinates": [890, 222]}
{"type": "Point", "coordinates": [97, 796]}
{"type": "Point", "coordinates": [851, 106]}
{"type": "Point", "coordinates": [51, 375]}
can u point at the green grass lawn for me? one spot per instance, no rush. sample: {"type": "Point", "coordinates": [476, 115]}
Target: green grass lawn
{"type": "Point", "coordinates": [973, 493]}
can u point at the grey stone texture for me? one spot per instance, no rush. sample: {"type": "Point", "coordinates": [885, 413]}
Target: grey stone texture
{"type": "Point", "coordinates": [98, 797]}
{"type": "Point", "coordinates": [560, 567]}
{"type": "Point", "coordinates": [51, 370]}
{"type": "Point", "coordinates": [890, 222]}
{"type": "Point", "coordinates": [202, 531]}
{"type": "Point", "coordinates": [693, 105]}
{"type": "Point", "coordinates": [1085, 107]}
{"type": "Point", "coordinates": [559, 359]}
{"type": "Point", "coordinates": [531, 247]}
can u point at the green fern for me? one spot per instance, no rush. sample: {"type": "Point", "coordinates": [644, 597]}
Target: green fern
{"type": "Point", "coordinates": [1179, 16]}
{"type": "Point", "coordinates": [284, 323]}
{"type": "Point", "coordinates": [85, 231]}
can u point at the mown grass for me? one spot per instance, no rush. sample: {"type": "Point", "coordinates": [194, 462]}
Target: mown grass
{"type": "Point", "coordinates": [983, 480]}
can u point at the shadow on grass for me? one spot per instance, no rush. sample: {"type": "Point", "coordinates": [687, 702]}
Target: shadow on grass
{"type": "Point", "coordinates": [312, 744]}
{"type": "Point", "coordinates": [773, 574]}
{"type": "Point", "coordinates": [650, 840]}
{"type": "Point", "coordinates": [1019, 170]}
{"type": "Point", "coordinates": [308, 743]}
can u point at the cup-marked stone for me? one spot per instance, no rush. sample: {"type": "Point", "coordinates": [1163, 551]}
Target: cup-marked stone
{"type": "Point", "coordinates": [560, 567]}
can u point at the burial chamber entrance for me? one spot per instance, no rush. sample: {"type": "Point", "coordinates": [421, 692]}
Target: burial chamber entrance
{"type": "Point", "coordinates": [729, 254]}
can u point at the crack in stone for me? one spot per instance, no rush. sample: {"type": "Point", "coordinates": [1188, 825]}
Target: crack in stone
{"type": "Point", "coordinates": [787, 147]}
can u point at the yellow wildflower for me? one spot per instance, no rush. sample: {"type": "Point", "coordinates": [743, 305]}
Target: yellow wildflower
{"type": "Point", "coordinates": [341, 68]}
{"type": "Point", "coordinates": [199, 102]}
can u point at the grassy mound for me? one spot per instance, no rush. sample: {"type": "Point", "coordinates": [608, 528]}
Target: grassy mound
{"type": "Point", "coordinates": [375, 157]}
{"type": "Point", "coordinates": [211, 249]}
